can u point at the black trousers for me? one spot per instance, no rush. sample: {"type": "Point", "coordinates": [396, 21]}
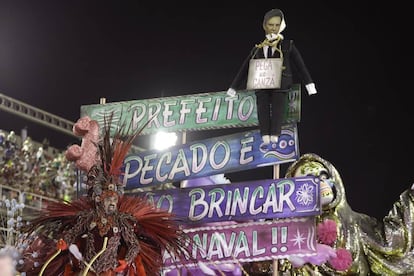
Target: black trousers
{"type": "Point", "coordinates": [271, 110]}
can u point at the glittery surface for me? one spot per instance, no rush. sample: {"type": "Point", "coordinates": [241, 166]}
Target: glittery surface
{"type": "Point", "coordinates": [378, 247]}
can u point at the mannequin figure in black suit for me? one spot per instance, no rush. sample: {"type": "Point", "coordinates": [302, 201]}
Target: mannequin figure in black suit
{"type": "Point", "coordinates": [271, 102]}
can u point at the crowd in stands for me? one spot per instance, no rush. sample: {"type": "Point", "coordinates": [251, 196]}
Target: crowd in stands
{"type": "Point", "coordinates": [31, 175]}
{"type": "Point", "coordinates": [35, 169]}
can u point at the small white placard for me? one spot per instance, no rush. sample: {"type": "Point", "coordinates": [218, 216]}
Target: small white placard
{"type": "Point", "coordinates": [264, 73]}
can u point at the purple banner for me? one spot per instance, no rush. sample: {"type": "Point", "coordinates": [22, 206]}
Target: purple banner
{"type": "Point", "coordinates": [225, 154]}
{"type": "Point", "coordinates": [250, 200]}
{"type": "Point", "coordinates": [249, 242]}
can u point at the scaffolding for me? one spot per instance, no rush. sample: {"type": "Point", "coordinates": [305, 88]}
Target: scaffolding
{"type": "Point", "coordinates": [35, 114]}
{"type": "Point", "coordinates": [30, 202]}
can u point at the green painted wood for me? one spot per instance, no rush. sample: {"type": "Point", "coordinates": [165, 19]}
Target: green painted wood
{"type": "Point", "coordinates": [194, 112]}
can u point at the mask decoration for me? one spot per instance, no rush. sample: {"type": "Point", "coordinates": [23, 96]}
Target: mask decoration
{"type": "Point", "coordinates": [317, 169]}
{"type": "Point", "coordinates": [103, 232]}
{"type": "Point", "coordinates": [349, 243]}
{"type": "Point", "coordinates": [362, 245]}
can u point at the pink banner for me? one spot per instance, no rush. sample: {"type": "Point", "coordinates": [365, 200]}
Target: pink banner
{"type": "Point", "coordinates": [249, 242]}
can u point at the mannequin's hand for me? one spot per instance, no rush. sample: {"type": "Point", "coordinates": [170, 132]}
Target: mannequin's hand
{"type": "Point", "coordinates": [231, 92]}
{"type": "Point", "coordinates": [311, 88]}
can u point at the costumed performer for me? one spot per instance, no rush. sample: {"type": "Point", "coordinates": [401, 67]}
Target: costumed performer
{"type": "Point", "coordinates": [105, 232]}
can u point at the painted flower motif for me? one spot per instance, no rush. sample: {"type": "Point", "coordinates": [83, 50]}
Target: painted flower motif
{"type": "Point", "coordinates": [304, 195]}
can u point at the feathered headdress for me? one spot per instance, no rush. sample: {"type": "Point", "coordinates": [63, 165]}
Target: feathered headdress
{"type": "Point", "coordinates": [104, 176]}
{"type": "Point", "coordinates": [103, 232]}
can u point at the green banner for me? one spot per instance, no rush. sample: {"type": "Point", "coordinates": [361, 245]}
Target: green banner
{"type": "Point", "coordinates": [190, 112]}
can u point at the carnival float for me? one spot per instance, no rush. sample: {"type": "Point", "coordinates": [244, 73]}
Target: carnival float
{"type": "Point", "coordinates": [199, 222]}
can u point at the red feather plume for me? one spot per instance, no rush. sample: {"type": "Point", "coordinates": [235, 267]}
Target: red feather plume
{"type": "Point", "coordinates": [145, 231]}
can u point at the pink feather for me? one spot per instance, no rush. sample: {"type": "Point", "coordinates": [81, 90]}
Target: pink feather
{"type": "Point", "coordinates": [342, 261]}
{"type": "Point", "coordinates": [327, 232]}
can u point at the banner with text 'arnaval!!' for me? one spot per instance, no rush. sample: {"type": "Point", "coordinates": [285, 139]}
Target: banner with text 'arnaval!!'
{"type": "Point", "coordinates": [230, 153]}
{"type": "Point", "coordinates": [194, 112]}
{"type": "Point", "coordinates": [241, 201]}
{"type": "Point", "coordinates": [249, 242]}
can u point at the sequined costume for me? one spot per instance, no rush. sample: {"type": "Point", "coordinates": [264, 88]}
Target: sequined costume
{"type": "Point", "coordinates": [103, 232]}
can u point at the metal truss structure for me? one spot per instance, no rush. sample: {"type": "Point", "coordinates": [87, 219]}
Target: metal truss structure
{"type": "Point", "coordinates": [35, 114]}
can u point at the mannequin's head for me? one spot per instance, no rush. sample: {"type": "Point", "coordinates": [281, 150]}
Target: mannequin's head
{"type": "Point", "coordinates": [273, 22]}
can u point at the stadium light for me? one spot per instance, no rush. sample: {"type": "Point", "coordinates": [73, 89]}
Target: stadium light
{"type": "Point", "coordinates": [164, 140]}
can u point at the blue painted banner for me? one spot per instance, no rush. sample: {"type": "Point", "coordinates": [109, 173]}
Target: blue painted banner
{"type": "Point", "coordinates": [194, 112]}
{"type": "Point", "coordinates": [230, 153]}
{"type": "Point", "coordinates": [250, 200]}
{"type": "Point", "coordinates": [248, 242]}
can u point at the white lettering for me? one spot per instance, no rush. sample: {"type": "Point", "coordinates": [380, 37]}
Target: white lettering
{"type": "Point", "coordinates": [245, 148]}
{"type": "Point", "coordinates": [180, 165]}
{"type": "Point", "coordinates": [161, 164]}
{"type": "Point", "coordinates": [214, 203]}
{"type": "Point", "coordinates": [167, 113]}
{"type": "Point", "coordinates": [197, 202]}
{"type": "Point", "coordinates": [153, 114]}
{"type": "Point", "coordinates": [226, 157]}
{"type": "Point", "coordinates": [197, 167]}
{"type": "Point", "coordinates": [184, 110]}
{"type": "Point", "coordinates": [147, 167]}
{"type": "Point", "coordinates": [259, 190]}
{"type": "Point", "coordinates": [201, 109]}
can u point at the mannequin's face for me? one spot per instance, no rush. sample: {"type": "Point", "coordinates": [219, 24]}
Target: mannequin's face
{"type": "Point", "coordinates": [272, 25]}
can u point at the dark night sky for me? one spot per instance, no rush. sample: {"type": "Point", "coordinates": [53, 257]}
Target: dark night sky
{"type": "Point", "coordinates": [59, 55]}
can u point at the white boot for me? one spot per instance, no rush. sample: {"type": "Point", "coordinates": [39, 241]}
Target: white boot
{"type": "Point", "coordinates": [274, 138]}
{"type": "Point", "coordinates": [266, 139]}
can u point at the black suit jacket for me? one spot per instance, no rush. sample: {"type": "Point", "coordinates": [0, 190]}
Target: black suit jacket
{"type": "Point", "coordinates": [292, 63]}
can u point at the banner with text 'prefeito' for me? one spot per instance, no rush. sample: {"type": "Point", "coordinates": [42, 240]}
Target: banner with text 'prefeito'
{"type": "Point", "coordinates": [189, 112]}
